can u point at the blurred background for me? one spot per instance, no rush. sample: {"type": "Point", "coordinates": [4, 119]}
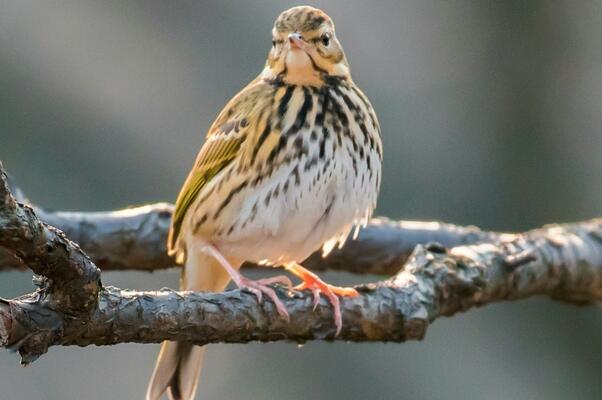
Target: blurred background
{"type": "Point", "coordinates": [490, 113]}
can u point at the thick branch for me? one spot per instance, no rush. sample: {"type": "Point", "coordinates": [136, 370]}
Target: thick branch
{"type": "Point", "coordinates": [70, 276]}
{"type": "Point", "coordinates": [72, 308]}
{"type": "Point", "coordinates": [563, 262]}
{"type": "Point", "coordinates": [135, 239]}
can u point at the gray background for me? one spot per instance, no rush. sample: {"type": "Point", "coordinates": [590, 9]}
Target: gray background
{"type": "Point", "coordinates": [490, 114]}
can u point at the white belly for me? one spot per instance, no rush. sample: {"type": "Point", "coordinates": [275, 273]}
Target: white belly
{"type": "Point", "coordinates": [324, 206]}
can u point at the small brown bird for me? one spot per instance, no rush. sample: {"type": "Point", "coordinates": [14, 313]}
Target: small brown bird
{"type": "Point", "coordinates": [292, 163]}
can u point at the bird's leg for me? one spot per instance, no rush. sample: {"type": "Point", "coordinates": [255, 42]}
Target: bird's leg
{"type": "Point", "coordinates": [312, 282]}
{"type": "Point", "coordinates": [257, 287]}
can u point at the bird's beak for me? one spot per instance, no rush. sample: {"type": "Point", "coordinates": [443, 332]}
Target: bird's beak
{"type": "Point", "coordinates": [295, 41]}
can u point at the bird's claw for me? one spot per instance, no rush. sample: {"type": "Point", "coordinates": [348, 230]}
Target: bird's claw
{"type": "Point", "coordinates": [317, 286]}
{"type": "Point", "coordinates": [260, 287]}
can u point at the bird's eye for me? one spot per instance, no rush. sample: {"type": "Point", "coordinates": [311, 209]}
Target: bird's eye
{"type": "Point", "coordinates": [325, 40]}
{"type": "Point", "coordinates": [273, 43]}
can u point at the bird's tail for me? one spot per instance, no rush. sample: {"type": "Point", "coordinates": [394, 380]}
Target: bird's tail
{"type": "Point", "coordinates": [179, 364]}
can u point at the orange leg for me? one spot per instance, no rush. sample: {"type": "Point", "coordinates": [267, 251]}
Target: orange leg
{"type": "Point", "coordinates": [312, 282]}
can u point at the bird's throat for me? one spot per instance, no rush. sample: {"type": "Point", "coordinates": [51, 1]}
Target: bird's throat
{"type": "Point", "coordinates": [300, 69]}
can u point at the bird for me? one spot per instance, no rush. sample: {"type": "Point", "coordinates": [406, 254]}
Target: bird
{"type": "Point", "coordinates": [292, 164]}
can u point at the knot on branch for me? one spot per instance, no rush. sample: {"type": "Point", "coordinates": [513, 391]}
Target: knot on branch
{"type": "Point", "coordinates": [447, 283]}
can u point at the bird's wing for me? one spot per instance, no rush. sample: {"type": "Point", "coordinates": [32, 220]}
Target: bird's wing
{"type": "Point", "coordinates": [221, 147]}
{"type": "Point", "coordinates": [224, 143]}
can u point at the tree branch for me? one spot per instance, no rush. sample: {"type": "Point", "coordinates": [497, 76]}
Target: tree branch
{"type": "Point", "coordinates": [565, 263]}
{"type": "Point", "coordinates": [560, 261]}
{"type": "Point", "coordinates": [135, 239]}
{"type": "Point", "coordinates": [68, 274]}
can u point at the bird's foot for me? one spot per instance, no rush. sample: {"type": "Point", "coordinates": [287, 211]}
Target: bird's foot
{"type": "Point", "coordinates": [260, 287]}
{"type": "Point", "coordinates": [312, 282]}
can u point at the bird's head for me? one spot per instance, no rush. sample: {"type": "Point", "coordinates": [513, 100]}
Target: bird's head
{"type": "Point", "coordinates": [305, 49]}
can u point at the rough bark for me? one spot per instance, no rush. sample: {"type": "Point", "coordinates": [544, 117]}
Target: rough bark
{"type": "Point", "coordinates": [563, 262]}
{"type": "Point", "coordinates": [560, 261]}
{"type": "Point", "coordinates": [67, 274]}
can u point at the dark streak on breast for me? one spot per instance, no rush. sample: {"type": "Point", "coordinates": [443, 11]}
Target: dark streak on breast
{"type": "Point", "coordinates": [228, 199]}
